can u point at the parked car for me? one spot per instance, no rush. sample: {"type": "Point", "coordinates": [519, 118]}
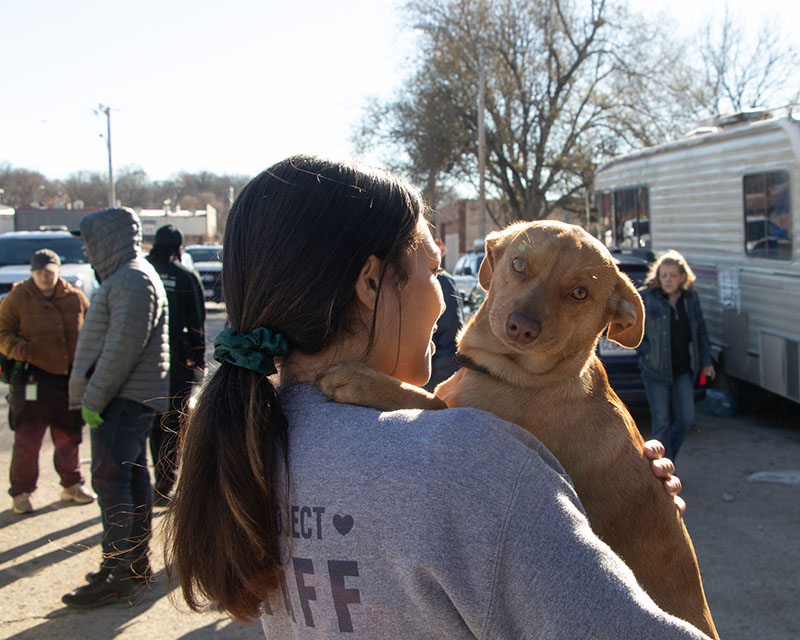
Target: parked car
{"type": "Point", "coordinates": [620, 363]}
{"type": "Point", "coordinates": [186, 261]}
{"type": "Point", "coordinates": [17, 249]}
{"type": "Point", "coordinates": [207, 259]}
{"type": "Point", "coordinates": [465, 271]}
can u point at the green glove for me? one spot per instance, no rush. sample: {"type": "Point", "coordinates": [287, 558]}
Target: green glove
{"type": "Point", "coordinates": [92, 418]}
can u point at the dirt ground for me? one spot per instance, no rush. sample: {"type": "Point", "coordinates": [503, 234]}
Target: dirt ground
{"type": "Point", "coordinates": [746, 532]}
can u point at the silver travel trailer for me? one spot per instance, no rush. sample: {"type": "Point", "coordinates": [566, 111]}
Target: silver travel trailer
{"type": "Point", "coordinates": [727, 196]}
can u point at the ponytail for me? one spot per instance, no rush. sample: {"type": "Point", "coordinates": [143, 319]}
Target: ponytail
{"type": "Point", "coordinates": [222, 527]}
{"type": "Point", "coordinates": [296, 239]}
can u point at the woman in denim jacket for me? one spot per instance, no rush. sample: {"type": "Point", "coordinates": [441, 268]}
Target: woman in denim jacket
{"type": "Point", "coordinates": [675, 349]}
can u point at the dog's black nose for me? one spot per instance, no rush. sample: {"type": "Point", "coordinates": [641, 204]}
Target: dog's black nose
{"type": "Point", "coordinates": [522, 328]}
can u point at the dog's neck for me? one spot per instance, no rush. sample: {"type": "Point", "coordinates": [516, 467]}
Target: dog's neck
{"type": "Point", "coordinates": [465, 362]}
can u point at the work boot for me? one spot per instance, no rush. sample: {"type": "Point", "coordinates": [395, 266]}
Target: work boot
{"type": "Point", "coordinates": [98, 576]}
{"type": "Point", "coordinates": [76, 493]}
{"type": "Point", "coordinates": [21, 503]}
{"type": "Point", "coordinates": [113, 587]}
{"type": "Point", "coordinates": [140, 568]}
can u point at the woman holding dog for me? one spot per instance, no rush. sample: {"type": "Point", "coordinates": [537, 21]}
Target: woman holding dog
{"type": "Point", "coordinates": [675, 350]}
{"type": "Point", "coordinates": [324, 518]}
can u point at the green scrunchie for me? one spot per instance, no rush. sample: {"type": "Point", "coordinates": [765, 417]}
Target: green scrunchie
{"type": "Point", "coordinates": [254, 350]}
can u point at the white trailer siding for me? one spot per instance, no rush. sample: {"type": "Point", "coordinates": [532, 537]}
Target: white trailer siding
{"type": "Point", "coordinates": [695, 191]}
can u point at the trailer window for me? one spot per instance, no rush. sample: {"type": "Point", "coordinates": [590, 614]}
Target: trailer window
{"type": "Point", "coordinates": [767, 215]}
{"type": "Point", "coordinates": [631, 218]}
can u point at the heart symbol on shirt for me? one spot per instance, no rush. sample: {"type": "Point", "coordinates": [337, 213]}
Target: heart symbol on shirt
{"type": "Point", "coordinates": [343, 524]}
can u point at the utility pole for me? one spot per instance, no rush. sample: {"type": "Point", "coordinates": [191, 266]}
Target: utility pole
{"type": "Point", "coordinates": [481, 144]}
{"type": "Point", "coordinates": [433, 29]}
{"type": "Point", "coordinates": [112, 194]}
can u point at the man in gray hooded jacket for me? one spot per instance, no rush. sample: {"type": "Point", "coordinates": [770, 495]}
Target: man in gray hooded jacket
{"type": "Point", "coordinates": [119, 380]}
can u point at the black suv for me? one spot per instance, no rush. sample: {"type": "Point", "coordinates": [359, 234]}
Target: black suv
{"type": "Point", "coordinates": [621, 363]}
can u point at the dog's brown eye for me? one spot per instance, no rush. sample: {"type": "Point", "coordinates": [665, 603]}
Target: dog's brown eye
{"type": "Point", "coordinates": [579, 293]}
{"type": "Point", "coordinates": [518, 265]}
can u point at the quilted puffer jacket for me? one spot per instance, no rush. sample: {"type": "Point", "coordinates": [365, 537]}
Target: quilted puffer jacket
{"type": "Point", "coordinates": [123, 347]}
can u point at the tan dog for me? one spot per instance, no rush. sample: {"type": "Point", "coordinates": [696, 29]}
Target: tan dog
{"type": "Point", "coordinates": [529, 357]}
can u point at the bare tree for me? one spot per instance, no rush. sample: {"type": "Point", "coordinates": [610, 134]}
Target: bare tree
{"type": "Point", "coordinates": [740, 73]}
{"type": "Point", "coordinates": [24, 188]}
{"type": "Point", "coordinates": [133, 188]}
{"type": "Point", "coordinates": [88, 188]}
{"type": "Point", "coordinates": [427, 123]}
{"type": "Point", "coordinates": [568, 83]}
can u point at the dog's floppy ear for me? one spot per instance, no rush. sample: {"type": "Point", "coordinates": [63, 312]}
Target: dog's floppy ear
{"type": "Point", "coordinates": [494, 249]}
{"type": "Point", "coordinates": [626, 314]}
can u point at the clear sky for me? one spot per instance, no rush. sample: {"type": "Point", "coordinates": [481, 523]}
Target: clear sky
{"type": "Point", "coordinates": [228, 87]}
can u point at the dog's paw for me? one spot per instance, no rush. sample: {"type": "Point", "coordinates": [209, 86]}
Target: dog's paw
{"type": "Point", "coordinates": [353, 383]}
{"type": "Point", "coordinates": [356, 383]}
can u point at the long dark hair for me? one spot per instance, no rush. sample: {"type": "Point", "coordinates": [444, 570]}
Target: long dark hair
{"type": "Point", "coordinates": [295, 242]}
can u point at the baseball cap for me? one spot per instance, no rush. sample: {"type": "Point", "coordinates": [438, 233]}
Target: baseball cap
{"type": "Point", "coordinates": [45, 259]}
{"type": "Point", "coordinates": [169, 236]}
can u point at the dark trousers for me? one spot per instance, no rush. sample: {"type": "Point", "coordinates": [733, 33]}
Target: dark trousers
{"type": "Point", "coordinates": [29, 421]}
{"type": "Point", "coordinates": [165, 433]}
{"type": "Point", "coordinates": [122, 482]}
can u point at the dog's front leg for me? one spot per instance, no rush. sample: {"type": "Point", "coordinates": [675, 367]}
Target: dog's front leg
{"type": "Point", "coordinates": [356, 383]}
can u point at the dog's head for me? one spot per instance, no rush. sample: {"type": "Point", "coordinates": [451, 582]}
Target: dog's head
{"type": "Point", "coordinates": [553, 289]}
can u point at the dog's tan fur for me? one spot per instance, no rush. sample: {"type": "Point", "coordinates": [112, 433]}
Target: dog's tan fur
{"type": "Point", "coordinates": [564, 289]}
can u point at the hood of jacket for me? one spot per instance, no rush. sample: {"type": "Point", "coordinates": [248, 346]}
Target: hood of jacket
{"type": "Point", "coordinates": [112, 237]}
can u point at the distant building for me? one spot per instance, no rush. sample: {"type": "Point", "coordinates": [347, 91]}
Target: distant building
{"type": "Point", "coordinates": [197, 226]}
{"type": "Point", "coordinates": [6, 219]}
{"type": "Point", "coordinates": [457, 224]}
{"type": "Point", "coordinates": [33, 219]}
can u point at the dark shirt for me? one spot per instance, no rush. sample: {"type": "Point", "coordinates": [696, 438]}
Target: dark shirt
{"type": "Point", "coordinates": [443, 363]}
{"type": "Point", "coordinates": [187, 311]}
{"type": "Point", "coordinates": [680, 337]}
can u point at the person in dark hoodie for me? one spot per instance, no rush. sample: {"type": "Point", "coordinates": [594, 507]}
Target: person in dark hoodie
{"type": "Point", "coordinates": [187, 344]}
{"type": "Point", "coordinates": [119, 380]}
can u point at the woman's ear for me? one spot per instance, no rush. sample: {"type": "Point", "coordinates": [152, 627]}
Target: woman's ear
{"type": "Point", "coordinates": [367, 283]}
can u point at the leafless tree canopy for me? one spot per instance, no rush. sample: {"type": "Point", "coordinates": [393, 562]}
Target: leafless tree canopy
{"type": "Point", "coordinates": [25, 188]}
{"type": "Point", "coordinates": [741, 74]}
{"type": "Point", "coordinates": [569, 83]}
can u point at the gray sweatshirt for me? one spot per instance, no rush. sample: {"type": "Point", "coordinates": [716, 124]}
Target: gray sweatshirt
{"type": "Point", "coordinates": [441, 524]}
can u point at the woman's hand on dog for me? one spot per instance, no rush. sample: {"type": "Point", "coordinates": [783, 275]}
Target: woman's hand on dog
{"type": "Point", "coordinates": [663, 468]}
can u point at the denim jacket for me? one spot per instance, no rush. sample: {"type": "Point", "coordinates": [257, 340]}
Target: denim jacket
{"type": "Point", "coordinates": [655, 361]}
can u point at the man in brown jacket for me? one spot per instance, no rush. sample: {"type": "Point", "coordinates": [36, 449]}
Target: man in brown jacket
{"type": "Point", "coordinates": [40, 320]}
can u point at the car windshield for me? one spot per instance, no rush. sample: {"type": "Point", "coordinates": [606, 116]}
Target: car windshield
{"type": "Point", "coordinates": [636, 272]}
{"type": "Point", "coordinates": [468, 264]}
{"type": "Point", "coordinates": [19, 251]}
{"type": "Point", "coordinates": [210, 254]}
